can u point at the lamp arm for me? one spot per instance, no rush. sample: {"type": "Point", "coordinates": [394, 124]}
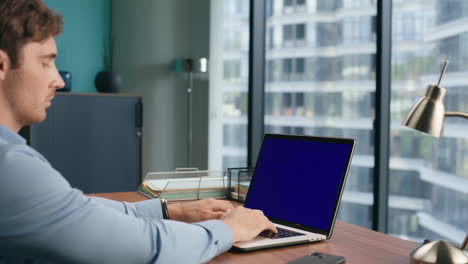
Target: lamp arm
{"type": "Point", "coordinates": [464, 244]}
{"type": "Point", "coordinates": [459, 114]}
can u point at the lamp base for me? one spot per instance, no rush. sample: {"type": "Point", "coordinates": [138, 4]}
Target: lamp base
{"type": "Point", "coordinates": [438, 252]}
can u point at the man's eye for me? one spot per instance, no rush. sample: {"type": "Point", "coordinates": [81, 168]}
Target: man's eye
{"type": "Point", "coordinates": [46, 64]}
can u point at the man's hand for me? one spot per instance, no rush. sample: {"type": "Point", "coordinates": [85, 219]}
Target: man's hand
{"type": "Point", "coordinates": [247, 223]}
{"type": "Point", "coordinates": [198, 211]}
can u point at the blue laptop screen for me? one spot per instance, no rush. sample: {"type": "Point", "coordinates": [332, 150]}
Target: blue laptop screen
{"type": "Point", "coordinates": [298, 180]}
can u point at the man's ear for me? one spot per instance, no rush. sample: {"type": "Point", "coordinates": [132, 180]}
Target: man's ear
{"type": "Point", "coordinates": [4, 64]}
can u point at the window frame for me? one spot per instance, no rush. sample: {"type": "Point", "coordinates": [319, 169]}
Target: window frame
{"type": "Point", "coordinates": [256, 110]}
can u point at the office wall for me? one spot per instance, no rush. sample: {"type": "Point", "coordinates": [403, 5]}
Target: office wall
{"type": "Point", "coordinates": [81, 45]}
{"type": "Point", "coordinates": [149, 35]}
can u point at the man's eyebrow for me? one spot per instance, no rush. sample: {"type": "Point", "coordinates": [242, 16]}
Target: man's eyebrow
{"type": "Point", "coordinates": [49, 56]}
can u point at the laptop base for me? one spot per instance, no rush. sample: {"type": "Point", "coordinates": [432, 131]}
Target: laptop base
{"type": "Point", "coordinates": [285, 244]}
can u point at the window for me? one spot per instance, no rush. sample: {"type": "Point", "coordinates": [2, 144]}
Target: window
{"type": "Point", "coordinates": [287, 100]}
{"type": "Point", "coordinates": [228, 85]}
{"type": "Point", "coordinates": [270, 38]}
{"type": "Point", "coordinates": [300, 65]}
{"type": "Point", "coordinates": [423, 169]}
{"type": "Point", "coordinates": [328, 34]}
{"type": "Point", "coordinates": [294, 35]}
{"type": "Point", "coordinates": [287, 66]}
{"type": "Point", "coordinates": [292, 6]}
{"type": "Point", "coordinates": [451, 10]}
{"type": "Point", "coordinates": [313, 91]}
{"type": "Point", "coordinates": [232, 40]}
{"type": "Point", "coordinates": [358, 29]}
{"type": "Point", "coordinates": [293, 69]}
{"type": "Point", "coordinates": [288, 32]}
{"type": "Point", "coordinates": [329, 89]}
{"type": "Point", "coordinates": [235, 9]}
{"type": "Point", "coordinates": [300, 32]}
{"type": "Point", "coordinates": [300, 2]}
{"type": "Point", "coordinates": [232, 70]}
{"type": "Point", "coordinates": [325, 6]}
{"type": "Point", "coordinates": [269, 9]}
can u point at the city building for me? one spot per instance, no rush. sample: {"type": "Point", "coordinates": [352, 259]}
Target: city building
{"type": "Point", "coordinates": [320, 80]}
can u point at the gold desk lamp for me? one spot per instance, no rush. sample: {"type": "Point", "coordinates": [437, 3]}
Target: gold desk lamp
{"type": "Point", "coordinates": [427, 116]}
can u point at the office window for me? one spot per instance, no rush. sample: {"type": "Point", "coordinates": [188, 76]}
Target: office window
{"type": "Point", "coordinates": [287, 104]}
{"type": "Point", "coordinates": [287, 66]}
{"type": "Point", "coordinates": [234, 135]}
{"type": "Point", "coordinates": [450, 10]}
{"type": "Point", "coordinates": [300, 31]}
{"type": "Point", "coordinates": [429, 176]}
{"type": "Point", "coordinates": [270, 38]}
{"type": "Point", "coordinates": [228, 84]}
{"type": "Point", "coordinates": [326, 94]}
{"type": "Point", "coordinates": [348, 4]}
{"type": "Point", "coordinates": [299, 109]}
{"type": "Point", "coordinates": [293, 69]}
{"type": "Point", "coordinates": [300, 2]}
{"type": "Point", "coordinates": [329, 69]}
{"type": "Point", "coordinates": [327, 6]}
{"type": "Point", "coordinates": [269, 71]}
{"type": "Point", "coordinates": [294, 35]}
{"type": "Point", "coordinates": [358, 30]}
{"type": "Point", "coordinates": [235, 9]}
{"type": "Point", "coordinates": [329, 89]}
{"type": "Point", "coordinates": [288, 32]}
{"type": "Point", "coordinates": [300, 65]}
{"type": "Point", "coordinates": [232, 40]}
{"type": "Point", "coordinates": [332, 31]}
{"type": "Point", "coordinates": [289, 3]}
{"type": "Point", "coordinates": [291, 6]}
{"type": "Point", "coordinates": [232, 70]}
{"type": "Point", "coordinates": [269, 9]}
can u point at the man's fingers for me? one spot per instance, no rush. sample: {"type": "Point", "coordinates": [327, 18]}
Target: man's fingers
{"type": "Point", "coordinates": [259, 212]}
{"type": "Point", "coordinates": [222, 206]}
{"type": "Point", "coordinates": [217, 215]}
{"type": "Point", "coordinates": [270, 226]}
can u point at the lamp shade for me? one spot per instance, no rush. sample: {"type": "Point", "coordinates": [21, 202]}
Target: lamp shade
{"type": "Point", "coordinates": [427, 115]}
{"type": "Point", "coordinates": [190, 65]}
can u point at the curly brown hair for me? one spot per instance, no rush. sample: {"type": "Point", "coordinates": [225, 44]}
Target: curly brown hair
{"type": "Point", "coordinates": [24, 21]}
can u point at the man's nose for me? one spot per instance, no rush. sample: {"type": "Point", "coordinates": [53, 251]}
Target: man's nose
{"type": "Point", "coordinates": [58, 83]}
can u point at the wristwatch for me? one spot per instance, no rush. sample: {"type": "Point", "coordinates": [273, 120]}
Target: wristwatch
{"type": "Point", "coordinates": [165, 212]}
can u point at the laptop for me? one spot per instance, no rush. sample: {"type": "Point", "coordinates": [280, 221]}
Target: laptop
{"type": "Point", "coordinates": [298, 183]}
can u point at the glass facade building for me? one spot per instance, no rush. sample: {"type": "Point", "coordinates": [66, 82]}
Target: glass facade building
{"type": "Point", "coordinates": [432, 172]}
{"type": "Point", "coordinates": [320, 80]}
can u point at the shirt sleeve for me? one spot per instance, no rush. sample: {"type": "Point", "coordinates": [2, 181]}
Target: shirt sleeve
{"type": "Point", "coordinates": [149, 209]}
{"type": "Point", "coordinates": [41, 216]}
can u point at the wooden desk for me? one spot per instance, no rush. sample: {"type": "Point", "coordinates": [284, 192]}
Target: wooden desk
{"type": "Point", "coordinates": [358, 245]}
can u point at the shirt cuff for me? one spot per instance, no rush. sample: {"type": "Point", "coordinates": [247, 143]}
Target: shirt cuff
{"type": "Point", "coordinates": [222, 235]}
{"type": "Point", "coordinates": [149, 209]}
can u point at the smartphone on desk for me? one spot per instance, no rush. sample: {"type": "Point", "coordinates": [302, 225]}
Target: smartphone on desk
{"type": "Point", "coordinates": [319, 258]}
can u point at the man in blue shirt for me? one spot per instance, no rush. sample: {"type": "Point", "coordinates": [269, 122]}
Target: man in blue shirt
{"type": "Point", "coordinates": [42, 218]}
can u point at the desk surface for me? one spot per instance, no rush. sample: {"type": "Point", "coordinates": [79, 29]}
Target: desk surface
{"type": "Point", "coordinates": [358, 245]}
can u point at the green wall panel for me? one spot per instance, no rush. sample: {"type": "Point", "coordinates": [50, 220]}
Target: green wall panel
{"type": "Point", "coordinates": [87, 25]}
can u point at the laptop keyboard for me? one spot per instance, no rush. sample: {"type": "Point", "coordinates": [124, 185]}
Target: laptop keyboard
{"type": "Point", "coordinates": [281, 233]}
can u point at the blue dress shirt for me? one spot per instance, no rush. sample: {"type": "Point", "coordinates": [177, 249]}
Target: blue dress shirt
{"type": "Point", "coordinates": [44, 220]}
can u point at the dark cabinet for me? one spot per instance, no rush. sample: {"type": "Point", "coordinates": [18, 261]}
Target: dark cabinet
{"type": "Point", "coordinates": [94, 140]}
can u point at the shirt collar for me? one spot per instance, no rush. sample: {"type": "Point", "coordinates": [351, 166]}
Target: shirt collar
{"type": "Point", "coordinates": [11, 137]}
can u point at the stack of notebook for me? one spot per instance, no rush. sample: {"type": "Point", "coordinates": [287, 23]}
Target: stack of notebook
{"type": "Point", "coordinates": [240, 191]}
{"type": "Point", "coordinates": [184, 188]}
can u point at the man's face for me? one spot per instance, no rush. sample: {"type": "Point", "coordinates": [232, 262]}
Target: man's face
{"type": "Point", "coordinates": [30, 88]}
